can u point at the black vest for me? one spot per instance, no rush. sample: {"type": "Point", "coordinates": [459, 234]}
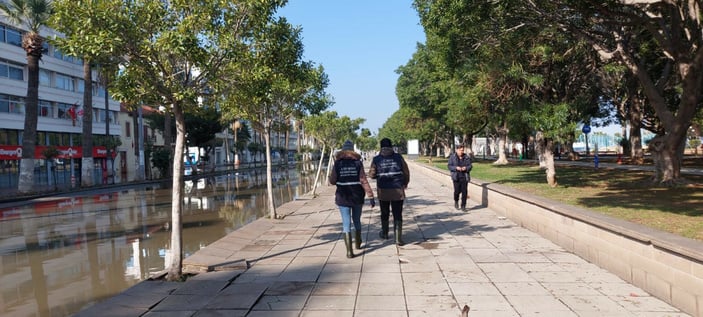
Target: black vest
{"type": "Point", "coordinates": [389, 171]}
{"type": "Point", "coordinates": [349, 190]}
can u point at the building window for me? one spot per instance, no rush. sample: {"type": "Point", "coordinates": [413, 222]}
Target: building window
{"type": "Point", "coordinates": [81, 85]}
{"type": "Point", "coordinates": [44, 78]}
{"type": "Point", "coordinates": [57, 53]}
{"type": "Point", "coordinates": [16, 72]}
{"type": "Point", "coordinates": [98, 115]}
{"type": "Point", "coordinates": [41, 138]}
{"type": "Point", "coordinates": [11, 104]}
{"type": "Point", "coordinates": [13, 36]}
{"type": "Point", "coordinates": [98, 90]}
{"type": "Point", "coordinates": [127, 130]}
{"type": "Point", "coordinates": [63, 82]}
{"type": "Point", "coordinates": [2, 33]}
{"type": "Point", "coordinates": [45, 109]}
{"type": "Point", "coordinates": [64, 139]}
{"type": "Point", "coordinates": [53, 138]}
{"type": "Point", "coordinates": [4, 103]}
{"type": "Point", "coordinates": [62, 111]}
{"type": "Point", "coordinates": [9, 137]}
{"type": "Point", "coordinates": [3, 135]}
{"type": "Point", "coordinates": [11, 70]}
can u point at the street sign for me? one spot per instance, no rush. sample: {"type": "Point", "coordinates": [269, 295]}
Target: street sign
{"type": "Point", "coordinates": [586, 129]}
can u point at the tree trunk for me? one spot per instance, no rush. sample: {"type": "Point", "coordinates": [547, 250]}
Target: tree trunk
{"type": "Point", "coordinates": [636, 150]}
{"type": "Point", "coordinates": [666, 154]}
{"type": "Point", "coordinates": [299, 139]}
{"type": "Point", "coordinates": [502, 141]}
{"type": "Point", "coordinates": [269, 176]}
{"type": "Point", "coordinates": [176, 265]}
{"type": "Point", "coordinates": [469, 142]}
{"type": "Point", "coordinates": [168, 138]}
{"type": "Point", "coordinates": [319, 170]}
{"type": "Point", "coordinates": [87, 137]}
{"type": "Point", "coordinates": [548, 155]}
{"type": "Point", "coordinates": [329, 163]}
{"type": "Point", "coordinates": [29, 135]}
{"type": "Point", "coordinates": [570, 147]}
{"type": "Point", "coordinates": [635, 117]}
{"type": "Point", "coordinates": [286, 143]}
{"type": "Point", "coordinates": [540, 144]}
{"type": "Point", "coordinates": [675, 123]}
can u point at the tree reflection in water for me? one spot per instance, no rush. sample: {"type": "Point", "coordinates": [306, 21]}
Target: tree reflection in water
{"type": "Point", "coordinates": [62, 254]}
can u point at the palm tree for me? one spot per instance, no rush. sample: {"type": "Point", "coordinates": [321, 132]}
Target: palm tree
{"type": "Point", "coordinates": [34, 14]}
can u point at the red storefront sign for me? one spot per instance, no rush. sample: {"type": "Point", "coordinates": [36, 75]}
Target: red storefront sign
{"type": "Point", "coordinates": [10, 213]}
{"type": "Point", "coordinates": [10, 152]}
{"type": "Point", "coordinates": [57, 205]}
{"type": "Point", "coordinates": [14, 152]}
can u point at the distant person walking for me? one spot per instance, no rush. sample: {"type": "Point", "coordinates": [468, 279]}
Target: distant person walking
{"type": "Point", "coordinates": [459, 165]}
{"type": "Point", "coordinates": [349, 176]}
{"type": "Point", "coordinates": [392, 176]}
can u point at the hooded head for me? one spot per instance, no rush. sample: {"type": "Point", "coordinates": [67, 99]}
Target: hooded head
{"type": "Point", "coordinates": [348, 146]}
{"type": "Point", "coordinates": [385, 142]}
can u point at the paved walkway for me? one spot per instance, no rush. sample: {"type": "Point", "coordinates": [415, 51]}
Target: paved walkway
{"type": "Point", "coordinates": [297, 267]}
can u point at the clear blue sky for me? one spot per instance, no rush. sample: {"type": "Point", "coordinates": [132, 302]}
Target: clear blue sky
{"type": "Point", "coordinates": [360, 43]}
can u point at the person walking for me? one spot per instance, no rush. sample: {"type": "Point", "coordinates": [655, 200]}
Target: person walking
{"type": "Point", "coordinates": [459, 165]}
{"type": "Point", "coordinates": [349, 176]}
{"type": "Point", "coordinates": [392, 176]}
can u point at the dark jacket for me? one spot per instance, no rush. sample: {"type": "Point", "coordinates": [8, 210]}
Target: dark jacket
{"type": "Point", "coordinates": [456, 161]}
{"type": "Point", "coordinates": [349, 176]}
{"type": "Point", "coordinates": [391, 173]}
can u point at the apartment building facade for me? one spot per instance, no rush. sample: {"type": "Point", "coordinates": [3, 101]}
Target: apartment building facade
{"type": "Point", "coordinates": [60, 113]}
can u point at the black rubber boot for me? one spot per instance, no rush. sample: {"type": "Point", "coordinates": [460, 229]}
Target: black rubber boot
{"type": "Point", "coordinates": [357, 239]}
{"type": "Point", "coordinates": [348, 244]}
{"type": "Point", "coordinates": [383, 234]}
{"type": "Point", "coordinates": [456, 205]}
{"type": "Point", "coordinates": [398, 232]}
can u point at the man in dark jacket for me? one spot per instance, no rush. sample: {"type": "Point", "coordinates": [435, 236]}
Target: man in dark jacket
{"type": "Point", "coordinates": [460, 165]}
{"type": "Point", "coordinates": [392, 176]}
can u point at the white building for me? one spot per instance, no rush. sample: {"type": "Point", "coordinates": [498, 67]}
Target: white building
{"type": "Point", "coordinates": [60, 88]}
{"type": "Point", "coordinates": [127, 161]}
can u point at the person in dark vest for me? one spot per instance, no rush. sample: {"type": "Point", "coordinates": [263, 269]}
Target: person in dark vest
{"type": "Point", "coordinates": [392, 176]}
{"type": "Point", "coordinates": [459, 165]}
{"type": "Point", "coordinates": [349, 176]}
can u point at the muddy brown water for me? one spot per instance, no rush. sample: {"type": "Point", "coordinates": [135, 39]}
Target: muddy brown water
{"type": "Point", "coordinates": [61, 254]}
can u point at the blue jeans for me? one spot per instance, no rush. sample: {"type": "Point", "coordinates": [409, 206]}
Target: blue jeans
{"type": "Point", "coordinates": [349, 214]}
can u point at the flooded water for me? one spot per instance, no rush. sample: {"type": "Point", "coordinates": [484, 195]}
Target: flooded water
{"type": "Point", "coordinates": [62, 254]}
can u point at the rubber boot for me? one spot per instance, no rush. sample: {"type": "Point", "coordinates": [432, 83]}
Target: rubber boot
{"type": "Point", "coordinates": [357, 239]}
{"type": "Point", "coordinates": [348, 244]}
{"type": "Point", "coordinates": [398, 232]}
{"type": "Point", "coordinates": [383, 234]}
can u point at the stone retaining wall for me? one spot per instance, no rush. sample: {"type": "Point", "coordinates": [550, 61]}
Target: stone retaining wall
{"type": "Point", "coordinates": [667, 266]}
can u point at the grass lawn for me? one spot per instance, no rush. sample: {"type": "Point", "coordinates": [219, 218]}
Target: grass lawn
{"type": "Point", "coordinates": [623, 194]}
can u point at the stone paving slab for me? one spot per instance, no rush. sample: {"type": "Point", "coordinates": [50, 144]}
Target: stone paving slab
{"type": "Point", "coordinates": [296, 266]}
